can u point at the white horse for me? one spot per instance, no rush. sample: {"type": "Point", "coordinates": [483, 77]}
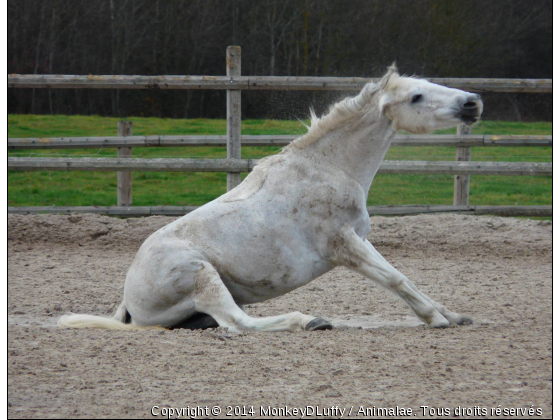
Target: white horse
{"type": "Point", "coordinates": [297, 215]}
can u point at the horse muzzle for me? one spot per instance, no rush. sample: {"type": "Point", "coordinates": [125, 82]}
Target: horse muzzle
{"type": "Point", "coordinates": [470, 109]}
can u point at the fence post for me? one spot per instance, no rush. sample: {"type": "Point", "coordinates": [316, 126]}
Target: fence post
{"type": "Point", "coordinates": [461, 192]}
{"type": "Point", "coordinates": [124, 179]}
{"type": "Point", "coordinates": [233, 68]}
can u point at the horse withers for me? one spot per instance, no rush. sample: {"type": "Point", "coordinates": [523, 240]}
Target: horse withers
{"type": "Point", "coordinates": [297, 215]}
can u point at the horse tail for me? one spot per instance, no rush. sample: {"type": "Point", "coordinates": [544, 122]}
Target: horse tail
{"type": "Point", "coordinates": [117, 322]}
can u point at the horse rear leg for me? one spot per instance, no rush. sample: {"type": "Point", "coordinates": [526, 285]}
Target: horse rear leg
{"type": "Point", "coordinates": [359, 255]}
{"type": "Point", "coordinates": [213, 298]}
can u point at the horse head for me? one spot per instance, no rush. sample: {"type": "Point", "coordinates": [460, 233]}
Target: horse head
{"type": "Point", "coordinates": [418, 106]}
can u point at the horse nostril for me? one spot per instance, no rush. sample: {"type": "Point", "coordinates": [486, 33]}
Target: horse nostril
{"type": "Point", "coordinates": [469, 105]}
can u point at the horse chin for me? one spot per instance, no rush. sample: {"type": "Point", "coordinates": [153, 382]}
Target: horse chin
{"type": "Point", "coordinates": [469, 120]}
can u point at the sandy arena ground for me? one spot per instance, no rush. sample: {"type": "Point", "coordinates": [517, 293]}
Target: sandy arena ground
{"type": "Point", "coordinates": [496, 270]}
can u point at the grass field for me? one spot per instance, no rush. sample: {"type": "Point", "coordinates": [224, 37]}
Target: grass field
{"type": "Point", "coordinates": [168, 188]}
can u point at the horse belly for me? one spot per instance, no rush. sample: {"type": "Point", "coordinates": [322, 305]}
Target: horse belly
{"type": "Point", "coordinates": [252, 280]}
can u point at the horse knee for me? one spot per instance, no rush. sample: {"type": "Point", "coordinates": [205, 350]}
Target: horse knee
{"type": "Point", "coordinates": [396, 282]}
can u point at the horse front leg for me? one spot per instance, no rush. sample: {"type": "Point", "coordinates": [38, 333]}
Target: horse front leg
{"type": "Point", "coordinates": [349, 250]}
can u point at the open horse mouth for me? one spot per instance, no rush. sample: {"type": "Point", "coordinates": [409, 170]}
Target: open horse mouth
{"type": "Point", "coordinates": [469, 120]}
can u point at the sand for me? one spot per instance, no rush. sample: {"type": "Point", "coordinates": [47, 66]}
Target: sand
{"type": "Point", "coordinates": [496, 270]}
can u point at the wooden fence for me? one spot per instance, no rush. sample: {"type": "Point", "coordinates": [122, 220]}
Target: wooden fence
{"type": "Point", "coordinates": [234, 83]}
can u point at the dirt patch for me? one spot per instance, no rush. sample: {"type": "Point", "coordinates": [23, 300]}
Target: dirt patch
{"type": "Point", "coordinates": [496, 270]}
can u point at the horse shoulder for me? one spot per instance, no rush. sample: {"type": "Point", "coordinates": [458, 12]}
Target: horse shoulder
{"type": "Point", "coordinates": [328, 198]}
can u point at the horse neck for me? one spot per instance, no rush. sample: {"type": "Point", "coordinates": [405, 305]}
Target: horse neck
{"type": "Point", "coordinates": [356, 147]}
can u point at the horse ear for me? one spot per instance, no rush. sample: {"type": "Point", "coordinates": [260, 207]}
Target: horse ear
{"type": "Point", "coordinates": [384, 103]}
{"type": "Point", "coordinates": [392, 72]}
{"type": "Point", "coordinates": [387, 98]}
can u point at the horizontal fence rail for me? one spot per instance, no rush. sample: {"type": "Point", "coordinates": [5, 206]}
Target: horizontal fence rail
{"type": "Point", "coordinates": [246, 165]}
{"type": "Point", "coordinates": [138, 211]}
{"type": "Point", "coordinates": [131, 165]}
{"type": "Point", "coordinates": [263, 140]}
{"type": "Point", "coordinates": [258, 83]}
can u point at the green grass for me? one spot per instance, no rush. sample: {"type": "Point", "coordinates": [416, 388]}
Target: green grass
{"type": "Point", "coordinates": [169, 188]}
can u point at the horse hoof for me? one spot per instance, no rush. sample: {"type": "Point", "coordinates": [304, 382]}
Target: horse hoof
{"type": "Point", "coordinates": [319, 324]}
{"type": "Point", "coordinates": [465, 320]}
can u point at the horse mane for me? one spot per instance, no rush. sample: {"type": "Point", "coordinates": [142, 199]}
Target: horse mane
{"type": "Point", "coordinates": [347, 109]}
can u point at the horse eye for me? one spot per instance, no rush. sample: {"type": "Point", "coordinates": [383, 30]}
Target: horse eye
{"type": "Point", "coordinates": [416, 98]}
